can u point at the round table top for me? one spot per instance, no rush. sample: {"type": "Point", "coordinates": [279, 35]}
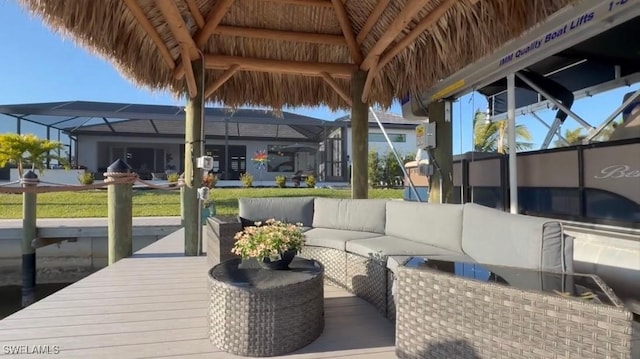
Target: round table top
{"type": "Point", "coordinates": [245, 273]}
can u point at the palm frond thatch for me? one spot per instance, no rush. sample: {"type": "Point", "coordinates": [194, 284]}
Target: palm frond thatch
{"type": "Point", "coordinates": [467, 31]}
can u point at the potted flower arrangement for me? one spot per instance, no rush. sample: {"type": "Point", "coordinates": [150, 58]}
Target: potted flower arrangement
{"type": "Point", "coordinates": [273, 243]}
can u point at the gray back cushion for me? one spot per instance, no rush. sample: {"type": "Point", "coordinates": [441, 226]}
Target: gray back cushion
{"type": "Point", "coordinates": [439, 225]}
{"type": "Point", "coordinates": [366, 215]}
{"type": "Point", "coordinates": [494, 237]}
{"type": "Point", "coordinates": [287, 209]}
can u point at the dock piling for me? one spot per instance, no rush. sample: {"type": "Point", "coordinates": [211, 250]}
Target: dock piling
{"type": "Point", "coordinates": [119, 211]}
{"type": "Point", "coordinates": [29, 213]}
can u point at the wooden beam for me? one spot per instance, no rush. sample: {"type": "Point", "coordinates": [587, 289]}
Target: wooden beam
{"type": "Point", "coordinates": [369, 81]}
{"type": "Point", "coordinates": [178, 28]}
{"type": "Point", "coordinates": [399, 23]}
{"type": "Point", "coordinates": [347, 31]}
{"type": "Point", "coordinates": [151, 31]}
{"type": "Point", "coordinates": [221, 80]}
{"type": "Point", "coordinates": [191, 78]}
{"type": "Point", "coordinates": [195, 13]}
{"type": "Point", "coordinates": [43, 242]}
{"type": "Point", "coordinates": [313, 38]}
{"type": "Point", "coordinates": [222, 62]}
{"type": "Point", "coordinates": [336, 86]}
{"type": "Point", "coordinates": [422, 26]}
{"type": "Point", "coordinates": [268, 34]}
{"type": "Point", "coordinates": [318, 3]}
{"type": "Point", "coordinates": [372, 20]}
{"type": "Point", "coordinates": [213, 20]}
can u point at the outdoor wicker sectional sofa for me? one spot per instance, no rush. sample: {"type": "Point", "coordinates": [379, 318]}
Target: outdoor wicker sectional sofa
{"type": "Point", "coordinates": [362, 242]}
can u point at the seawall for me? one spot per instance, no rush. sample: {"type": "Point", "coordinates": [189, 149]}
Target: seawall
{"type": "Point", "coordinates": [81, 250]}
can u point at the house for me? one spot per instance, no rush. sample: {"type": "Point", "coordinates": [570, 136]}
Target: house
{"type": "Point", "coordinates": [401, 132]}
{"type": "Point", "coordinates": [151, 138]}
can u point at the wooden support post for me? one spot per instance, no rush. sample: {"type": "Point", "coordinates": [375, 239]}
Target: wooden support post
{"type": "Point", "coordinates": [440, 113]}
{"type": "Point", "coordinates": [29, 212]}
{"type": "Point", "coordinates": [359, 137]}
{"type": "Point", "coordinates": [192, 174]}
{"type": "Point", "coordinates": [119, 210]}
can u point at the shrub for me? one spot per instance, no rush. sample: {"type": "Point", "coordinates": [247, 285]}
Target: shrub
{"type": "Point", "coordinates": [281, 181]}
{"type": "Point", "coordinates": [310, 181]}
{"type": "Point", "coordinates": [86, 178]}
{"type": "Point", "coordinates": [173, 177]}
{"type": "Point", "coordinates": [375, 169]}
{"type": "Point", "coordinates": [247, 180]}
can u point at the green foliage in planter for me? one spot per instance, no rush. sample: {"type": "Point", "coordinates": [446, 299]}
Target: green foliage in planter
{"type": "Point", "coordinates": [281, 181]}
{"type": "Point", "coordinates": [86, 178]}
{"type": "Point", "coordinates": [247, 180]}
{"type": "Point", "coordinates": [310, 181]}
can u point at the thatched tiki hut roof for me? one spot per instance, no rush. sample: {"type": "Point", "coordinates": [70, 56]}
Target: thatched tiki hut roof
{"type": "Point", "coordinates": [278, 53]}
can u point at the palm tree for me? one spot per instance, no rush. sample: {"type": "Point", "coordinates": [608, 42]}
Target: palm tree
{"type": "Point", "coordinates": [491, 136]}
{"type": "Point", "coordinates": [608, 131]}
{"type": "Point", "coordinates": [575, 136]}
{"type": "Point", "coordinates": [28, 149]}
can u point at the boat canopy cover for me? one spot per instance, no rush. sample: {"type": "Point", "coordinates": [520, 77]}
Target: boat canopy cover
{"type": "Point", "coordinates": [612, 54]}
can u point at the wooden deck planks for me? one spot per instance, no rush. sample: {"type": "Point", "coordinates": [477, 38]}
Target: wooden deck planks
{"type": "Point", "coordinates": [155, 305]}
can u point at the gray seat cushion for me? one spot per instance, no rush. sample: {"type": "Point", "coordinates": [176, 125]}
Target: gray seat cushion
{"type": "Point", "coordinates": [439, 225]}
{"type": "Point", "coordinates": [494, 237]}
{"type": "Point", "coordinates": [383, 246]}
{"type": "Point", "coordinates": [286, 209]}
{"type": "Point", "coordinates": [333, 238]}
{"type": "Point", "coordinates": [364, 215]}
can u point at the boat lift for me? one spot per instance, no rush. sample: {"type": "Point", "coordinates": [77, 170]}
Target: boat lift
{"type": "Point", "coordinates": [550, 66]}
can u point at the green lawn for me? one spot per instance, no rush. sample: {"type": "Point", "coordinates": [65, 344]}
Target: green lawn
{"type": "Point", "coordinates": [159, 203]}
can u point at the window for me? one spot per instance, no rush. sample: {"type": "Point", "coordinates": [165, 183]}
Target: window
{"type": "Point", "coordinates": [279, 159]}
{"type": "Point", "coordinates": [394, 137]}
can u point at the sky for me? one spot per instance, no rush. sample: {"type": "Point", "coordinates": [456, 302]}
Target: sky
{"type": "Point", "coordinates": [39, 65]}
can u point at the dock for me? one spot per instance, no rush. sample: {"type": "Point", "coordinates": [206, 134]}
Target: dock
{"type": "Point", "coordinates": [89, 227]}
{"type": "Point", "coordinates": [155, 304]}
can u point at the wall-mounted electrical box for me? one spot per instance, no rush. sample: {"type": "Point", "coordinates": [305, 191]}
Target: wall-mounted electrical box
{"type": "Point", "coordinates": [426, 135]}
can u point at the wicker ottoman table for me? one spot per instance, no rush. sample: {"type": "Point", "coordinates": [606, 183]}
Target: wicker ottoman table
{"type": "Point", "coordinates": [259, 312]}
{"type": "Point", "coordinates": [462, 310]}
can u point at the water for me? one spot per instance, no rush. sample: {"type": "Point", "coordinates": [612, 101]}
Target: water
{"type": "Point", "coordinates": [11, 296]}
